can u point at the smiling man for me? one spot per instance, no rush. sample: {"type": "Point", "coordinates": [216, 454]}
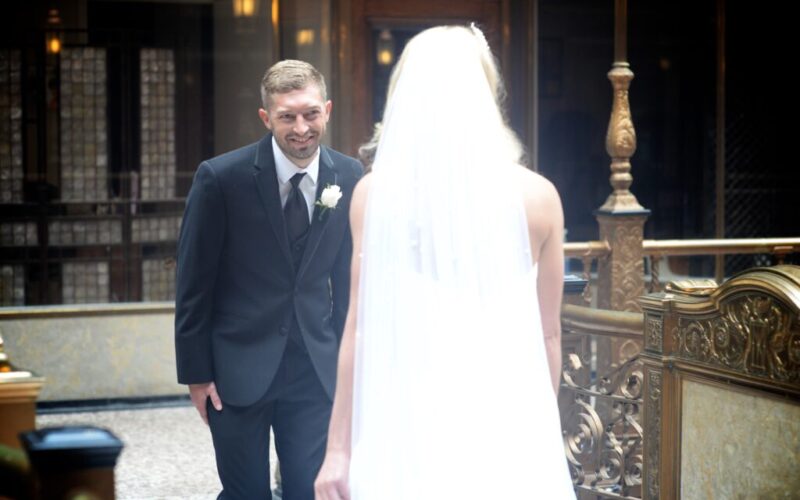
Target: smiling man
{"type": "Point", "coordinates": [263, 286]}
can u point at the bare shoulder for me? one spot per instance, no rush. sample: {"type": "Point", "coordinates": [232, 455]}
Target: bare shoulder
{"type": "Point", "coordinates": [542, 209]}
{"type": "Point", "coordinates": [359, 201]}
{"type": "Point", "coordinates": [538, 192]}
{"type": "Point", "coordinates": [360, 192]}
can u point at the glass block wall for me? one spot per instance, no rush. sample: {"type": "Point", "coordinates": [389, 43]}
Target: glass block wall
{"type": "Point", "coordinates": [157, 171]}
{"type": "Point", "coordinates": [12, 233]}
{"type": "Point", "coordinates": [84, 232]}
{"type": "Point", "coordinates": [11, 173]}
{"type": "Point", "coordinates": [85, 282]}
{"type": "Point", "coordinates": [84, 128]}
{"type": "Point", "coordinates": [155, 229]}
{"type": "Point", "coordinates": [87, 216]}
{"type": "Point", "coordinates": [12, 285]}
{"type": "Point", "coordinates": [18, 234]}
{"type": "Point", "coordinates": [158, 280]}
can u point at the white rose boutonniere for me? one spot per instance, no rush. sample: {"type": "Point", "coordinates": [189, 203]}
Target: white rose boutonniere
{"type": "Point", "coordinates": [329, 198]}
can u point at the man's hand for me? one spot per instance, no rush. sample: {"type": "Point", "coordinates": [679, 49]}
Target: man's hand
{"type": "Point", "coordinates": [199, 393]}
{"type": "Point", "coordinates": [331, 483]}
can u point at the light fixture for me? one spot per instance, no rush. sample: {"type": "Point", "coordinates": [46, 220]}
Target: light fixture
{"type": "Point", "coordinates": [305, 37]}
{"type": "Point", "coordinates": [245, 8]}
{"type": "Point", "coordinates": [53, 43]}
{"type": "Point", "coordinates": [274, 13]}
{"type": "Point", "coordinates": [53, 34]}
{"type": "Point", "coordinates": [385, 48]}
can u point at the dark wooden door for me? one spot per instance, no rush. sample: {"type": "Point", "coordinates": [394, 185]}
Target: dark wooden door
{"type": "Point", "coordinates": [381, 25]}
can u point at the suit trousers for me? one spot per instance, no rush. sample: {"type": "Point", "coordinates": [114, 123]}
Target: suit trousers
{"type": "Point", "coordinates": [298, 409]}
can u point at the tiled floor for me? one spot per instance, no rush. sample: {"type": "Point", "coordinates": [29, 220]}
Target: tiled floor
{"type": "Point", "coordinates": [168, 452]}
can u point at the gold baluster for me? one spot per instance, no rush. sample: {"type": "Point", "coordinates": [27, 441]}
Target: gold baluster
{"type": "Point", "coordinates": [587, 275]}
{"type": "Point", "coordinates": [655, 281]}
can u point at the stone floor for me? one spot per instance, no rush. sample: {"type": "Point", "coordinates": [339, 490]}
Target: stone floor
{"type": "Point", "coordinates": [168, 452]}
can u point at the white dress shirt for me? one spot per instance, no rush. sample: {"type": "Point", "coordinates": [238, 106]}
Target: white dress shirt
{"type": "Point", "coordinates": [286, 170]}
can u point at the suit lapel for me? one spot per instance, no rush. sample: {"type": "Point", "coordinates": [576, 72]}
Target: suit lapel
{"type": "Point", "coordinates": [266, 178]}
{"type": "Point", "coordinates": [319, 221]}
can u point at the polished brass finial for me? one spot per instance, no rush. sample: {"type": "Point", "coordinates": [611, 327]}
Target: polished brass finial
{"type": "Point", "coordinates": [5, 365]}
{"type": "Point", "coordinates": [621, 143]}
{"type": "Point", "coordinates": [7, 370]}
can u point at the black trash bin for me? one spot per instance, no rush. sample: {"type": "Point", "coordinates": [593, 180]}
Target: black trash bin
{"type": "Point", "coordinates": [72, 462]}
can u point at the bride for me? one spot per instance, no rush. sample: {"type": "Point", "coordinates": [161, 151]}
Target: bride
{"type": "Point", "coordinates": [449, 364]}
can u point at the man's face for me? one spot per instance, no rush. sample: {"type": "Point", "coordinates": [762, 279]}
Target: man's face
{"type": "Point", "coordinates": [297, 119]}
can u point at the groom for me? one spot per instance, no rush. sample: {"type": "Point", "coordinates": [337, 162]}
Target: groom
{"type": "Point", "coordinates": [262, 289]}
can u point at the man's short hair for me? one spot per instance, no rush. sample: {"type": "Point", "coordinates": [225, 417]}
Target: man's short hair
{"type": "Point", "coordinates": [289, 75]}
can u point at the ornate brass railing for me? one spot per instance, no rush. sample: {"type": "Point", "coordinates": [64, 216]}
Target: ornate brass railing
{"type": "Point", "coordinates": [588, 252]}
{"type": "Point", "coordinates": [620, 404]}
{"type": "Point", "coordinates": [719, 364]}
{"type": "Point", "coordinates": [630, 409]}
{"type": "Point", "coordinates": [656, 251]}
{"type": "Point", "coordinates": [601, 400]}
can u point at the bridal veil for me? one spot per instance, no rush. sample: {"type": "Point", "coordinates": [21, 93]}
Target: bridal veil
{"type": "Point", "coordinates": [452, 396]}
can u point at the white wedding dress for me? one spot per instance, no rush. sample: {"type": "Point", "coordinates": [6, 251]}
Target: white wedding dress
{"type": "Point", "coordinates": [452, 392]}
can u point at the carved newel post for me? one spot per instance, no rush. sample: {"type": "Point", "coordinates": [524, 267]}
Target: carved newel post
{"type": "Point", "coordinates": [621, 218]}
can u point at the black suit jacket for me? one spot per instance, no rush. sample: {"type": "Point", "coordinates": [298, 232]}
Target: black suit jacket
{"type": "Point", "coordinates": [237, 288]}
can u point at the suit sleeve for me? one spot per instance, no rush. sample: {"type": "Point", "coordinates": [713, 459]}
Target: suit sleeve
{"type": "Point", "coordinates": [199, 249]}
{"type": "Point", "coordinates": [340, 283]}
{"type": "Point", "coordinates": [340, 275]}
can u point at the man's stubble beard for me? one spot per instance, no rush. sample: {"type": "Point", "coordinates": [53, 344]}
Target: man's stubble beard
{"type": "Point", "coordinates": [298, 154]}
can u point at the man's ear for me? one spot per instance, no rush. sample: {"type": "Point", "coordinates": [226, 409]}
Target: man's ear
{"type": "Point", "coordinates": [264, 116]}
{"type": "Point", "coordinates": [328, 108]}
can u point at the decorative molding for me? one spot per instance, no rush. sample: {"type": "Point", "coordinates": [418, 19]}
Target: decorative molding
{"type": "Point", "coordinates": [652, 434]}
{"type": "Point", "coordinates": [654, 333]}
{"type": "Point", "coordinates": [621, 274]}
{"type": "Point", "coordinates": [752, 334]}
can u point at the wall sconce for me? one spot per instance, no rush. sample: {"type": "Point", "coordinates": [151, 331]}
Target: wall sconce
{"type": "Point", "coordinates": [53, 35]}
{"type": "Point", "coordinates": [275, 14]}
{"type": "Point", "coordinates": [305, 37]}
{"type": "Point", "coordinates": [245, 8]}
{"type": "Point", "coordinates": [385, 48]}
{"type": "Point", "coordinates": [53, 43]}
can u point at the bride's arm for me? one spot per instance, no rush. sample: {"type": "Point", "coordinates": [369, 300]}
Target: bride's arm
{"type": "Point", "coordinates": [550, 281]}
{"type": "Point", "coordinates": [331, 481]}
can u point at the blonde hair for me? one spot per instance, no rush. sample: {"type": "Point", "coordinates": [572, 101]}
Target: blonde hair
{"type": "Point", "coordinates": [289, 75]}
{"type": "Point", "coordinates": [490, 70]}
{"type": "Point", "coordinates": [366, 152]}
{"type": "Point", "coordinates": [488, 62]}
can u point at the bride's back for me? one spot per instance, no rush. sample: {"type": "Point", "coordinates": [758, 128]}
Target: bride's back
{"type": "Point", "coordinates": [542, 210]}
{"type": "Point", "coordinates": [460, 252]}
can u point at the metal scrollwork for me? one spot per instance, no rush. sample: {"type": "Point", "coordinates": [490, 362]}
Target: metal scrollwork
{"type": "Point", "coordinates": [602, 423]}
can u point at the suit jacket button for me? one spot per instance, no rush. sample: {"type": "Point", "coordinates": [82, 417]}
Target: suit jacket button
{"type": "Point", "coordinates": [284, 330]}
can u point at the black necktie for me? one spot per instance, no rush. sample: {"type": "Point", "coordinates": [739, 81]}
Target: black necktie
{"type": "Point", "coordinates": [295, 212]}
